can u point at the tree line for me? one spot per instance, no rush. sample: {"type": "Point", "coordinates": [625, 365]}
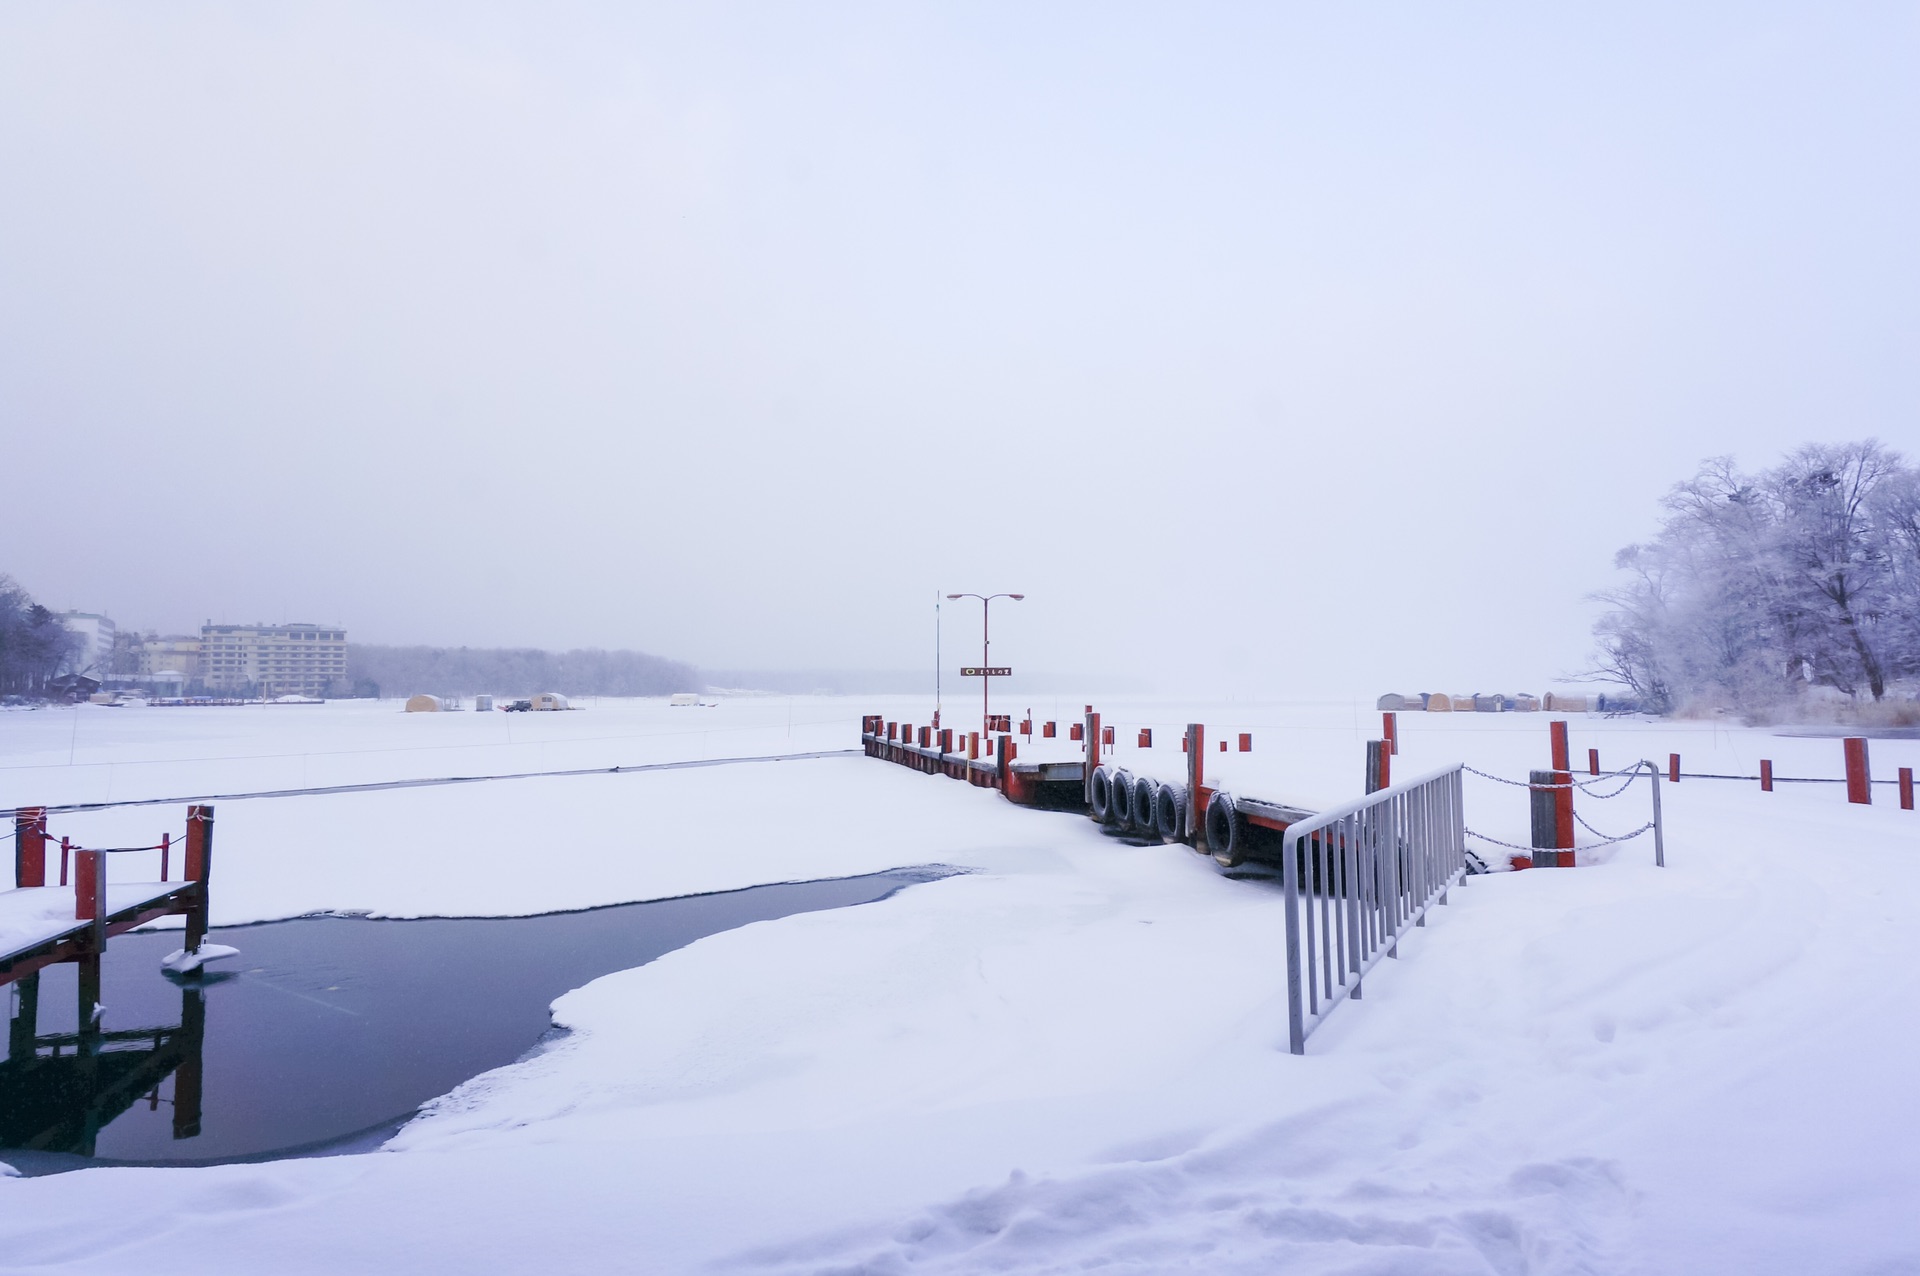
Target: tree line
{"type": "Point", "coordinates": [514, 671]}
{"type": "Point", "coordinates": [34, 645]}
{"type": "Point", "coordinates": [1761, 587]}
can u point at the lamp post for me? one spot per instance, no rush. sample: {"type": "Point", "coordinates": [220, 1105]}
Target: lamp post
{"type": "Point", "coordinates": [986, 606]}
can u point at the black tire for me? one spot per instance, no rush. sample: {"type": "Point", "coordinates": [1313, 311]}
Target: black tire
{"type": "Point", "coordinates": [1146, 792]}
{"type": "Point", "coordinates": [1170, 812]}
{"type": "Point", "coordinates": [1224, 836]}
{"type": "Point", "coordinates": [1120, 809]}
{"type": "Point", "coordinates": [1100, 794]}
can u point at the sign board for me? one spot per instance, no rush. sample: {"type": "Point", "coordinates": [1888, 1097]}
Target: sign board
{"type": "Point", "coordinates": [986, 671]}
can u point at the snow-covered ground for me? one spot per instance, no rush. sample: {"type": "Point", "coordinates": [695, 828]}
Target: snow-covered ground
{"type": "Point", "coordinates": [1072, 1058]}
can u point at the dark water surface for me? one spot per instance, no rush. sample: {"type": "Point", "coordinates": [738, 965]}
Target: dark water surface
{"type": "Point", "coordinates": [325, 1033]}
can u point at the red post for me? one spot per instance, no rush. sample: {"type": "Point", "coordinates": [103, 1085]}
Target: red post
{"type": "Point", "coordinates": [66, 850]}
{"type": "Point", "coordinates": [1009, 747]}
{"type": "Point", "coordinates": [198, 867]}
{"type": "Point", "coordinates": [1106, 736]}
{"type": "Point", "coordinates": [893, 732]}
{"type": "Point", "coordinates": [1026, 727]}
{"type": "Point", "coordinates": [1563, 815]}
{"type": "Point", "coordinates": [1076, 732]}
{"type": "Point", "coordinates": [1593, 762]}
{"type": "Point", "coordinates": [1146, 737]}
{"type": "Point", "coordinates": [89, 873]}
{"type": "Point", "coordinates": [989, 746]}
{"type": "Point", "coordinates": [1246, 742]}
{"type": "Point", "coordinates": [166, 849]}
{"type": "Point", "coordinates": [1906, 788]}
{"type": "Point", "coordinates": [973, 745]}
{"type": "Point", "coordinates": [1196, 738]}
{"type": "Point", "coordinates": [1048, 731]}
{"type": "Point", "coordinates": [1859, 780]}
{"type": "Point", "coordinates": [1223, 746]}
{"type": "Point", "coordinates": [1766, 775]}
{"type": "Point", "coordinates": [30, 846]}
{"type": "Point", "coordinates": [1562, 757]}
{"type": "Point", "coordinates": [1673, 768]}
{"type": "Point", "coordinates": [1390, 731]}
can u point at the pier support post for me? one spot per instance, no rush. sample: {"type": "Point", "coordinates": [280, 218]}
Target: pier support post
{"type": "Point", "coordinates": [1196, 780]}
{"type": "Point", "coordinates": [1092, 729]}
{"type": "Point", "coordinates": [25, 1024]}
{"type": "Point", "coordinates": [1766, 775]}
{"type": "Point", "coordinates": [1859, 779]}
{"type": "Point", "coordinates": [1379, 765]}
{"type": "Point", "coordinates": [198, 868]}
{"type": "Point", "coordinates": [30, 846]}
{"type": "Point", "coordinates": [1906, 788]}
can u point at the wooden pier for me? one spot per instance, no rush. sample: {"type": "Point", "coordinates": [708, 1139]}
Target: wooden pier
{"type": "Point", "coordinates": [42, 925]}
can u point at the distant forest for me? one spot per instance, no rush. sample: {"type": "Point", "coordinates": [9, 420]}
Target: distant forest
{"type": "Point", "coordinates": [513, 671]}
{"type": "Point", "coordinates": [33, 643]}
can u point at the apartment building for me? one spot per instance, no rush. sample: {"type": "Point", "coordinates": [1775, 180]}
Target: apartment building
{"type": "Point", "coordinates": [96, 633]}
{"type": "Point", "coordinates": [272, 660]}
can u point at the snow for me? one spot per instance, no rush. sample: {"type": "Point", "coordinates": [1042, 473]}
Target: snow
{"type": "Point", "coordinates": [183, 961]}
{"type": "Point", "coordinates": [1073, 1057]}
{"type": "Point", "coordinates": [33, 915]}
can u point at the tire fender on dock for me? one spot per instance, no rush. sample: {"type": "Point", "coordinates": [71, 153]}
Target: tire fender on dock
{"type": "Point", "coordinates": [1170, 812]}
{"type": "Point", "coordinates": [1145, 796]}
{"type": "Point", "coordinates": [1120, 805]}
{"type": "Point", "coordinates": [1224, 835]}
{"type": "Point", "coordinates": [1100, 794]}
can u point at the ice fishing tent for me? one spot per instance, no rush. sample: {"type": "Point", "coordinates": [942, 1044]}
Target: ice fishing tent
{"type": "Point", "coordinates": [549, 701]}
{"type": "Point", "coordinates": [1439, 702]}
{"type": "Point", "coordinates": [1560, 702]}
{"type": "Point", "coordinates": [423, 704]}
{"type": "Point", "coordinates": [1392, 702]}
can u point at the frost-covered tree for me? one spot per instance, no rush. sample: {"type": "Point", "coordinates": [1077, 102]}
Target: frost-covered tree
{"type": "Point", "coordinates": [1758, 585]}
{"type": "Point", "coordinates": [33, 642]}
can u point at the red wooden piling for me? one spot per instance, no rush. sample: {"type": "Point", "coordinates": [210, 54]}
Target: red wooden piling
{"type": "Point", "coordinates": [1106, 736]}
{"type": "Point", "coordinates": [1673, 768]}
{"type": "Point", "coordinates": [1146, 737]}
{"type": "Point", "coordinates": [989, 746]}
{"type": "Point", "coordinates": [1196, 784]}
{"type": "Point", "coordinates": [1246, 742]}
{"type": "Point", "coordinates": [198, 867]}
{"type": "Point", "coordinates": [1390, 731]}
{"type": "Point", "coordinates": [1076, 732]}
{"type": "Point", "coordinates": [1562, 756]}
{"type": "Point", "coordinates": [973, 745]}
{"type": "Point", "coordinates": [66, 850]}
{"type": "Point", "coordinates": [1766, 775]}
{"type": "Point", "coordinates": [1048, 731]}
{"type": "Point", "coordinates": [166, 849]}
{"type": "Point", "coordinates": [1223, 746]}
{"type": "Point", "coordinates": [1563, 814]}
{"type": "Point", "coordinates": [1906, 788]}
{"type": "Point", "coordinates": [88, 870]}
{"type": "Point", "coordinates": [1593, 762]}
{"type": "Point", "coordinates": [1010, 747]}
{"type": "Point", "coordinates": [1026, 727]}
{"type": "Point", "coordinates": [1859, 779]}
{"type": "Point", "coordinates": [30, 846]}
{"type": "Point", "coordinates": [893, 729]}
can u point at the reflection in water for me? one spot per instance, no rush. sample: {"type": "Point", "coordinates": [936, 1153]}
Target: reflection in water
{"type": "Point", "coordinates": [62, 1088]}
{"type": "Point", "coordinates": [326, 1033]}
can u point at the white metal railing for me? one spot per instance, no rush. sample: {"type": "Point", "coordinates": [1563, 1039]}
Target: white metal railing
{"type": "Point", "coordinates": [1358, 878]}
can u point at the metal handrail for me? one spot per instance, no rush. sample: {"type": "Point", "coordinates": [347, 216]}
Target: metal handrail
{"type": "Point", "coordinates": [1376, 866]}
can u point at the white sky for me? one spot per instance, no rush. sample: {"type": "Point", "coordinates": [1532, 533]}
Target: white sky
{"type": "Point", "coordinates": [1267, 348]}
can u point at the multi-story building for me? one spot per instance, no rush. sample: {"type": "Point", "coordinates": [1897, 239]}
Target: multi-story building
{"type": "Point", "coordinates": [272, 660]}
{"type": "Point", "coordinates": [96, 632]}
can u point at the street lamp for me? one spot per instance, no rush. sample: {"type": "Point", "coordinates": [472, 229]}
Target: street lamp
{"type": "Point", "coordinates": [986, 606]}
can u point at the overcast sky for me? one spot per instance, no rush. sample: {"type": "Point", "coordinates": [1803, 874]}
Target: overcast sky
{"type": "Point", "coordinates": [1300, 349]}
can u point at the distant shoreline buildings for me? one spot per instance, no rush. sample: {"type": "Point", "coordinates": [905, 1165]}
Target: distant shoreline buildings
{"type": "Point", "coordinates": [296, 658]}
